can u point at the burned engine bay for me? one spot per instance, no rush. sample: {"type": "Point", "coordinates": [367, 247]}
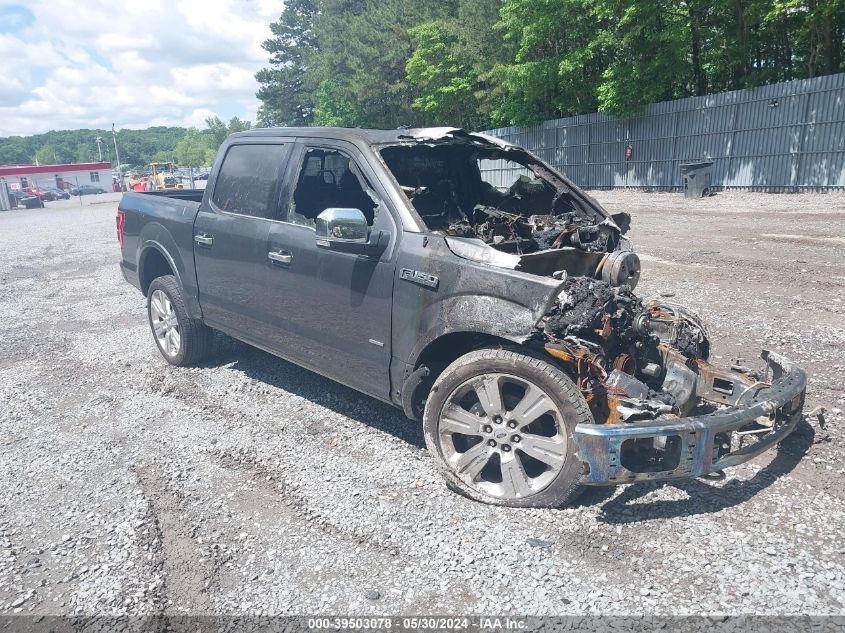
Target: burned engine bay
{"type": "Point", "coordinates": [539, 224]}
{"type": "Point", "coordinates": [633, 361]}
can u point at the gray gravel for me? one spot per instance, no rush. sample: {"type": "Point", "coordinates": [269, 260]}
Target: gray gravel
{"type": "Point", "coordinates": [249, 485]}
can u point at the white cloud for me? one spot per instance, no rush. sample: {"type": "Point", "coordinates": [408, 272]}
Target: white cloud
{"type": "Point", "coordinates": [136, 64]}
{"type": "Point", "coordinates": [197, 118]}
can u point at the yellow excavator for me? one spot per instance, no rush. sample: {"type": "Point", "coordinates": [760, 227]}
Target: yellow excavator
{"type": "Point", "coordinates": [162, 175]}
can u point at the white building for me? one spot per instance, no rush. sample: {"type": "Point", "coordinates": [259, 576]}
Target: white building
{"type": "Point", "coordinates": [62, 176]}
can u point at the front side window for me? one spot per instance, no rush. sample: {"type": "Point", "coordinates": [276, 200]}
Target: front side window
{"type": "Point", "coordinates": [329, 178]}
{"type": "Point", "coordinates": [248, 179]}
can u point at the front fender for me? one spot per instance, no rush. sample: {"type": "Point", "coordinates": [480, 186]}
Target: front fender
{"type": "Point", "coordinates": [470, 297]}
{"type": "Point", "coordinates": [477, 314]}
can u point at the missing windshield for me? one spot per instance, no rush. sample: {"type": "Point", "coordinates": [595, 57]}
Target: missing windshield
{"type": "Point", "coordinates": [504, 197]}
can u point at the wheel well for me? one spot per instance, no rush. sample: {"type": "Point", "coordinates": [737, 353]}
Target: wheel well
{"type": "Point", "coordinates": [441, 352]}
{"type": "Point", "coordinates": [450, 347]}
{"type": "Point", "coordinates": [153, 265]}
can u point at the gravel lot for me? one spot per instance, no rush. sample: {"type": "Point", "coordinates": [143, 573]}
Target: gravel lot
{"type": "Point", "coordinates": [249, 485]}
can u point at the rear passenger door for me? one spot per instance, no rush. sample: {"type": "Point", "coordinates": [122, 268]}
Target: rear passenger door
{"type": "Point", "coordinates": [230, 237]}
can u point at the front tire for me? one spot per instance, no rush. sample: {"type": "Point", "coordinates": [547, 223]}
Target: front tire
{"type": "Point", "coordinates": [182, 340]}
{"type": "Point", "coordinates": [499, 425]}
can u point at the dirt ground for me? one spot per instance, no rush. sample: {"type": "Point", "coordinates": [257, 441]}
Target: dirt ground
{"type": "Point", "coordinates": [251, 486]}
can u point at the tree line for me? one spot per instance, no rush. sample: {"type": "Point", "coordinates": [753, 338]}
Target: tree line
{"type": "Point", "coordinates": [189, 147]}
{"type": "Point", "coordinates": [489, 63]}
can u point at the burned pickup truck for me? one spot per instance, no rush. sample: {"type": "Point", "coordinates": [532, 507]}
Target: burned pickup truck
{"type": "Point", "coordinates": [464, 280]}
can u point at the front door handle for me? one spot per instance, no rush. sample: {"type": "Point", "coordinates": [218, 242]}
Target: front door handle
{"type": "Point", "coordinates": [280, 257]}
{"type": "Point", "coordinates": [204, 240]}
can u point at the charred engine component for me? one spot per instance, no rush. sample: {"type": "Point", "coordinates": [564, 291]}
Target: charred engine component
{"type": "Point", "coordinates": [680, 381]}
{"type": "Point", "coordinates": [621, 268]}
{"type": "Point", "coordinates": [568, 229]}
{"type": "Point", "coordinates": [627, 384]}
{"type": "Point", "coordinates": [602, 332]}
{"type": "Point", "coordinates": [634, 362]}
{"type": "Point", "coordinates": [596, 311]}
{"type": "Point", "coordinates": [678, 327]}
{"type": "Point", "coordinates": [615, 269]}
{"type": "Point", "coordinates": [515, 233]}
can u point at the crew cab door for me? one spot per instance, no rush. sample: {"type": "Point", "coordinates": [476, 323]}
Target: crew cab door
{"type": "Point", "coordinates": [230, 237]}
{"type": "Point", "coordinates": [332, 309]}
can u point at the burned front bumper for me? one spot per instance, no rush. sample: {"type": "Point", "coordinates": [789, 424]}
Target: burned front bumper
{"type": "Point", "coordinates": [698, 444]}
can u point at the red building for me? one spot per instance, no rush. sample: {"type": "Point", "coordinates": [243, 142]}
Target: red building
{"type": "Point", "coordinates": [62, 176]}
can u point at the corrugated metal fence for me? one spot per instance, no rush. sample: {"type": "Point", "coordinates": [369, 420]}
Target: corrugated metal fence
{"type": "Point", "coordinates": [783, 137]}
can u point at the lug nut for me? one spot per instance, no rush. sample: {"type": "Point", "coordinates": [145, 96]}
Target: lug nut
{"type": "Point", "coordinates": [512, 424]}
{"type": "Point", "coordinates": [487, 428]}
{"type": "Point", "coordinates": [491, 442]}
{"type": "Point", "coordinates": [506, 447]}
{"type": "Point", "coordinates": [516, 439]}
{"type": "Point", "coordinates": [497, 419]}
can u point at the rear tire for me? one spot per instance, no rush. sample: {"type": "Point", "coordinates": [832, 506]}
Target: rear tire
{"type": "Point", "coordinates": [182, 340]}
{"type": "Point", "coordinates": [499, 425]}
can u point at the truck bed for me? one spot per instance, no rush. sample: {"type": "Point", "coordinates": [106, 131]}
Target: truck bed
{"type": "Point", "coordinates": [194, 195]}
{"type": "Point", "coordinates": [165, 221]}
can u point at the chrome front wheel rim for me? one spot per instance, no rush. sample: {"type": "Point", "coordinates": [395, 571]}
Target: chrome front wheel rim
{"type": "Point", "coordinates": [503, 435]}
{"type": "Point", "coordinates": [164, 322]}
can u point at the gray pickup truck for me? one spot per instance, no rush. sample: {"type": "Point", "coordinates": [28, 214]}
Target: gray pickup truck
{"type": "Point", "coordinates": [463, 279]}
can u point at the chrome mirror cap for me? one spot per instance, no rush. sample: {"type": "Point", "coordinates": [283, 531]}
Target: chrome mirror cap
{"type": "Point", "coordinates": [342, 225]}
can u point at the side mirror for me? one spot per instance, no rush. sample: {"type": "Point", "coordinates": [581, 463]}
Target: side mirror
{"type": "Point", "coordinates": [342, 225]}
{"type": "Point", "coordinates": [346, 231]}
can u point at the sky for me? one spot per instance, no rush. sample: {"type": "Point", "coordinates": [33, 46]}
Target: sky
{"type": "Point", "coordinates": [70, 64]}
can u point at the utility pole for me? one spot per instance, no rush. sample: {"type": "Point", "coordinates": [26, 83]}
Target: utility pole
{"type": "Point", "coordinates": [117, 154]}
{"type": "Point", "coordinates": [100, 149]}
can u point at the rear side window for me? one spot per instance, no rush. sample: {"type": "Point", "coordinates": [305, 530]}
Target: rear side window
{"type": "Point", "coordinates": [248, 180]}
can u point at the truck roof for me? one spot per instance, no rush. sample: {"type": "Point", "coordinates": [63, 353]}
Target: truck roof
{"type": "Point", "coordinates": [373, 136]}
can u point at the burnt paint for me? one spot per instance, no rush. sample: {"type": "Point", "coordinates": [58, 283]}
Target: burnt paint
{"type": "Point", "coordinates": [471, 297]}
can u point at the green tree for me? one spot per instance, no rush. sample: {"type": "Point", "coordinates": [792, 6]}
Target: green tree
{"type": "Point", "coordinates": [557, 61]}
{"type": "Point", "coordinates": [333, 107]}
{"type": "Point", "coordinates": [137, 147]}
{"type": "Point", "coordinates": [483, 47]}
{"type": "Point", "coordinates": [162, 156]}
{"type": "Point", "coordinates": [286, 94]}
{"type": "Point", "coordinates": [452, 63]}
{"type": "Point", "coordinates": [15, 149]}
{"type": "Point", "coordinates": [441, 69]}
{"type": "Point", "coordinates": [85, 153]}
{"type": "Point", "coordinates": [217, 131]}
{"type": "Point", "coordinates": [364, 46]}
{"type": "Point", "coordinates": [647, 44]}
{"type": "Point", "coordinates": [238, 125]}
{"type": "Point", "coordinates": [194, 150]}
{"type": "Point", "coordinates": [46, 155]}
{"type": "Point", "coordinates": [817, 28]}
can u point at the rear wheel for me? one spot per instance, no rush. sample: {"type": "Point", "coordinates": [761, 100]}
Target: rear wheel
{"type": "Point", "coordinates": [181, 339]}
{"type": "Point", "coordinates": [499, 424]}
